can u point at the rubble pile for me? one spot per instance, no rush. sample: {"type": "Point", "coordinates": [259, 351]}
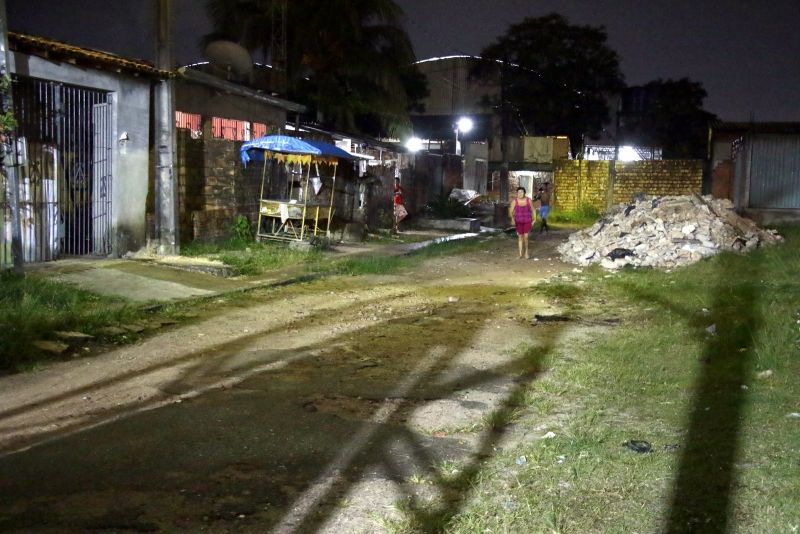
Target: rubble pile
{"type": "Point", "coordinates": [664, 232]}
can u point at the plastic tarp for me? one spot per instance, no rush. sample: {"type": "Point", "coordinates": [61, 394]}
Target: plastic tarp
{"type": "Point", "coordinates": [327, 149]}
{"type": "Point", "coordinates": [282, 144]}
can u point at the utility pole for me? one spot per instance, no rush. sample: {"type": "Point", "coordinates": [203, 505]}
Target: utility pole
{"type": "Point", "coordinates": [8, 147]}
{"type": "Point", "coordinates": [278, 39]}
{"type": "Point", "coordinates": [501, 214]}
{"type": "Point", "coordinates": [166, 179]}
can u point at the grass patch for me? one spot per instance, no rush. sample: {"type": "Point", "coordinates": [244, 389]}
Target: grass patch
{"type": "Point", "coordinates": [250, 257]}
{"type": "Point", "coordinates": [584, 215]}
{"type": "Point", "coordinates": [561, 292]}
{"type": "Point", "coordinates": [724, 446]}
{"type": "Point", "coordinates": [32, 309]}
{"type": "Point", "coordinates": [365, 265]}
{"type": "Point", "coordinates": [383, 264]}
{"type": "Point", "coordinates": [447, 248]}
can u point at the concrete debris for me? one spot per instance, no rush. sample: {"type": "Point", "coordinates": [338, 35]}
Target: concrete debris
{"type": "Point", "coordinates": [664, 232]}
{"type": "Point", "coordinates": [112, 331]}
{"type": "Point", "coordinates": [465, 196]}
{"type": "Point", "coordinates": [765, 374]}
{"type": "Point", "coordinates": [53, 347]}
{"type": "Point", "coordinates": [72, 336]}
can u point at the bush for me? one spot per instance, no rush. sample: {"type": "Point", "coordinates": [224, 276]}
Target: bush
{"type": "Point", "coordinates": [241, 229]}
{"type": "Point", "coordinates": [445, 207]}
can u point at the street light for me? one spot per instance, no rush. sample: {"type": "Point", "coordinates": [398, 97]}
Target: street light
{"type": "Point", "coordinates": [463, 125]}
{"type": "Point", "coordinates": [414, 144]}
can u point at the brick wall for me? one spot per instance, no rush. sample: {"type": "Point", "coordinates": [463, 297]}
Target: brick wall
{"type": "Point", "coordinates": [722, 180]}
{"type": "Point", "coordinates": [580, 182]}
{"type": "Point", "coordinates": [190, 171]}
{"type": "Point", "coordinates": [664, 177]}
{"type": "Point", "coordinates": [587, 182]}
{"type": "Point", "coordinates": [213, 187]}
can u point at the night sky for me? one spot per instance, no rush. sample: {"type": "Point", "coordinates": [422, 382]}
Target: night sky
{"type": "Point", "coordinates": [745, 52]}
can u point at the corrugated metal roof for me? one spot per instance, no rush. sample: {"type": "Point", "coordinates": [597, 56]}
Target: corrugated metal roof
{"type": "Point", "coordinates": [36, 45]}
{"type": "Point", "coordinates": [789, 128]}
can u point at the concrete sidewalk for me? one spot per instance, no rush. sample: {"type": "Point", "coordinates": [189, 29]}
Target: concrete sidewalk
{"type": "Point", "coordinates": [150, 278]}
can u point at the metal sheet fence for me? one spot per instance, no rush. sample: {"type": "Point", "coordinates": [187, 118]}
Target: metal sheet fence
{"type": "Point", "coordinates": [63, 154]}
{"type": "Point", "coordinates": [775, 172]}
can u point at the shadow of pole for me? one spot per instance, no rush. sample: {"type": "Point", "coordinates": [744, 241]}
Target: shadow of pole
{"type": "Point", "coordinates": [456, 490]}
{"type": "Point", "coordinates": [453, 491]}
{"type": "Point", "coordinates": [701, 496]}
{"type": "Point", "coordinates": [706, 475]}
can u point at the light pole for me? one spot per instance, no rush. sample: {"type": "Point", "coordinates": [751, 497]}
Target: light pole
{"type": "Point", "coordinates": [463, 125]}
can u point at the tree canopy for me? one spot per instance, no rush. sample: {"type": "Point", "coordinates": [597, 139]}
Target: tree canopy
{"type": "Point", "coordinates": [351, 60]}
{"type": "Point", "coordinates": [669, 114]}
{"type": "Point", "coordinates": [556, 76]}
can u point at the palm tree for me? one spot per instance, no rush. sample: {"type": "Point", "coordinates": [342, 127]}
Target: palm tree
{"type": "Point", "coordinates": [350, 59]}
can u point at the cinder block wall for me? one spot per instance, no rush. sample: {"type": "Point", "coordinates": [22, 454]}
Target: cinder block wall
{"type": "Point", "coordinates": [665, 177]}
{"type": "Point", "coordinates": [580, 182]}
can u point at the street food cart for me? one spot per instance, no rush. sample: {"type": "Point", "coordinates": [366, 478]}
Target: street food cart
{"type": "Point", "coordinates": [298, 211]}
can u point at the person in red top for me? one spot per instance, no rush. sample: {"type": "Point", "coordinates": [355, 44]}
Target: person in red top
{"type": "Point", "coordinates": [400, 212]}
{"type": "Point", "coordinates": [521, 210]}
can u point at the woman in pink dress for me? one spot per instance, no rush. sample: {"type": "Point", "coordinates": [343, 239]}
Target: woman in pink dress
{"type": "Point", "coordinates": [521, 210]}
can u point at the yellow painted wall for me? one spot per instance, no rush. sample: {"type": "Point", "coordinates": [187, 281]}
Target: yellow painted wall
{"type": "Point", "coordinates": [587, 182]}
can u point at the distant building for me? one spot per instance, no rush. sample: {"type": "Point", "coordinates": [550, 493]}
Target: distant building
{"type": "Point", "coordinates": [453, 95]}
{"type": "Point", "coordinates": [757, 166]}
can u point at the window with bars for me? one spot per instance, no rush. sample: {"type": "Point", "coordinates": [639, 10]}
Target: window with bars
{"type": "Point", "coordinates": [236, 130]}
{"type": "Point", "coordinates": [230, 129]}
{"type": "Point", "coordinates": [188, 121]}
{"type": "Point", "coordinates": [259, 129]}
{"type": "Point", "coordinates": [221, 128]}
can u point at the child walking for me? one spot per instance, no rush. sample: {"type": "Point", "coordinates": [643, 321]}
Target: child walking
{"type": "Point", "coordinates": [521, 210]}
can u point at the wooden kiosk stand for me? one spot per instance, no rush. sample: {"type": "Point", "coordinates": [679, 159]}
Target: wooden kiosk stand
{"type": "Point", "coordinates": [297, 217]}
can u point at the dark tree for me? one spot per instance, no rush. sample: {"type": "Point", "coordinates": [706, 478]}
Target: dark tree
{"type": "Point", "coordinates": [669, 114]}
{"type": "Point", "coordinates": [557, 76]}
{"type": "Point", "coordinates": [349, 59]}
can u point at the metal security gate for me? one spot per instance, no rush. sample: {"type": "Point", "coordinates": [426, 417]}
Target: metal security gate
{"type": "Point", "coordinates": [63, 145]}
{"type": "Point", "coordinates": [101, 181]}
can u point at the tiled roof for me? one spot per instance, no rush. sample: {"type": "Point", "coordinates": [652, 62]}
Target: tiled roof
{"type": "Point", "coordinates": [50, 48]}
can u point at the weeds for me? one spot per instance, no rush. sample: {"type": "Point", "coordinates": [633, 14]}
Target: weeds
{"type": "Point", "coordinates": [250, 258]}
{"type": "Point", "coordinates": [445, 207]}
{"type": "Point", "coordinates": [380, 264]}
{"type": "Point", "coordinates": [721, 435]}
{"type": "Point", "coordinates": [584, 215]}
{"type": "Point", "coordinates": [32, 309]}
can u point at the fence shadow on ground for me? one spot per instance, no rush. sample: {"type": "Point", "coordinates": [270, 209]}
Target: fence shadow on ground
{"type": "Point", "coordinates": [414, 375]}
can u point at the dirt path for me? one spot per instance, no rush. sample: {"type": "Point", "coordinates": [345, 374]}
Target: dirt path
{"type": "Point", "coordinates": [318, 407]}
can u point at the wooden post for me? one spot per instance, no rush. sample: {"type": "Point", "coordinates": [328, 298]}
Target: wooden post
{"type": "Point", "coordinates": [330, 209]}
{"type": "Point", "coordinates": [261, 196]}
{"type": "Point", "coordinates": [305, 203]}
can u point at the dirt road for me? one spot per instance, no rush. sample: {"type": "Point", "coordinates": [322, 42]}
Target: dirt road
{"type": "Point", "coordinates": [329, 406]}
